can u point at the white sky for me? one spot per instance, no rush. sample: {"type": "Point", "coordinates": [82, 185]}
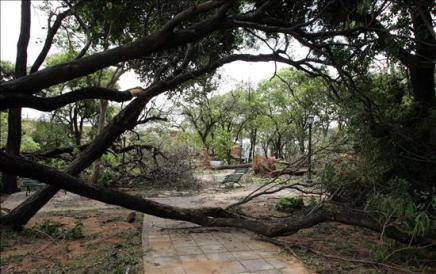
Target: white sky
{"type": "Point", "coordinates": [10, 28]}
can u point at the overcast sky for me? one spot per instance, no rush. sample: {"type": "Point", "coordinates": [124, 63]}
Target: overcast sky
{"type": "Point", "coordinates": [10, 28]}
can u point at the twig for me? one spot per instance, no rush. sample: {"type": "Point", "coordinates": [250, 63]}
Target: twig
{"type": "Point", "coordinates": [45, 234]}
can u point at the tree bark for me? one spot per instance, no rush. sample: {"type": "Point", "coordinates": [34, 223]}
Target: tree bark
{"type": "Point", "coordinates": [422, 70]}
{"type": "Point", "coordinates": [100, 126]}
{"type": "Point", "coordinates": [9, 181]}
{"type": "Point", "coordinates": [231, 166]}
{"type": "Point", "coordinates": [10, 100]}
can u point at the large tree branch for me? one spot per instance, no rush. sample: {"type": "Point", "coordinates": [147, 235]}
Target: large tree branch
{"type": "Point", "coordinates": [72, 184]}
{"type": "Point", "coordinates": [12, 100]}
{"type": "Point", "coordinates": [51, 32]}
{"type": "Point", "coordinates": [56, 152]}
{"type": "Point", "coordinates": [158, 41]}
{"type": "Point", "coordinates": [203, 216]}
{"type": "Point", "coordinates": [191, 11]}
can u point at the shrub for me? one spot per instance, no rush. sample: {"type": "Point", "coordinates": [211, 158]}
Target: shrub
{"type": "Point", "coordinates": [289, 204]}
{"type": "Point", "coordinates": [76, 232]}
{"type": "Point", "coordinates": [175, 171]}
{"type": "Point", "coordinates": [49, 227]}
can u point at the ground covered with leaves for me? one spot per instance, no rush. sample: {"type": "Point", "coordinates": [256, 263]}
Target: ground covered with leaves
{"type": "Point", "coordinates": [95, 241]}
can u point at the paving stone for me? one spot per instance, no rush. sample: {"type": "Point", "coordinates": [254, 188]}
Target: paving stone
{"type": "Point", "coordinates": [167, 261]}
{"type": "Point", "coordinates": [213, 248]}
{"type": "Point", "coordinates": [236, 246]}
{"type": "Point", "coordinates": [161, 253]}
{"type": "Point", "coordinates": [214, 267]}
{"type": "Point", "coordinates": [151, 268]}
{"type": "Point", "coordinates": [160, 245]}
{"type": "Point", "coordinates": [246, 255]}
{"type": "Point", "coordinates": [193, 258]}
{"type": "Point", "coordinates": [220, 257]}
{"type": "Point", "coordinates": [173, 270]}
{"type": "Point", "coordinates": [188, 250]}
{"type": "Point", "coordinates": [159, 237]}
{"type": "Point", "coordinates": [278, 262]}
{"type": "Point", "coordinates": [184, 244]}
{"type": "Point", "coordinates": [256, 265]}
{"type": "Point", "coordinates": [271, 271]}
{"type": "Point", "coordinates": [295, 270]}
{"type": "Point", "coordinates": [268, 254]}
{"type": "Point", "coordinates": [205, 241]}
{"type": "Point", "coordinates": [257, 245]}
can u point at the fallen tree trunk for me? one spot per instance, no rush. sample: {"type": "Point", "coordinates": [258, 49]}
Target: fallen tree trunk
{"type": "Point", "coordinates": [299, 172]}
{"type": "Point", "coordinates": [206, 216]}
{"type": "Point", "coordinates": [231, 166]}
{"type": "Point", "coordinates": [56, 152]}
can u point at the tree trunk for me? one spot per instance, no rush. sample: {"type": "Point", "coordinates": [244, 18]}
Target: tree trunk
{"type": "Point", "coordinates": [100, 127]}
{"type": "Point", "coordinates": [422, 71]}
{"type": "Point", "coordinates": [14, 118]}
{"type": "Point", "coordinates": [9, 181]}
{"type": "Point", "coordinates": [76, 130]}
{"type": "Point", "coordinates": [253, 135]}
{"type": "Point", "coordinates": [301, 147]}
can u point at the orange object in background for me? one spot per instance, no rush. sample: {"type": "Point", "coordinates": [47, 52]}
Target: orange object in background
{"type": "Point", "coordinates": [236, 151]}
{"type": "Point", "coordinates": [205, 162]}
{"type": "Point", "coordinates": [263, 165]}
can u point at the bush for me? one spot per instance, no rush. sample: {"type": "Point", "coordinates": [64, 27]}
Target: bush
{"type": "Point", "coordinates": [289, 204]}
{"type": "Point", "coordinates": [76, 232]}
{"type": "Point", "coordinates": [49, 227]}
{"type": "Point", "coordinates": [175, 170]}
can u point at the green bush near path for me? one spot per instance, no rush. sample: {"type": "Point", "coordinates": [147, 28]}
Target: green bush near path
{"type": "Point", "coordinates": [289, 204]}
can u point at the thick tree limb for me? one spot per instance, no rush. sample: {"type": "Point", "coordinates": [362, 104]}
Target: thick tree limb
{"type": "Point", "coordinates": [231, 166]}
{"type": "Point", "coordinates": [202, 216]}
{"type": "Point", "coordinates": [51, 32]}
{"type": "Point", "coordinates": [158, 41]}
{"type": "Point", "coordinates": [52, 103]}
{"type": "Point", "coordinates": [52, 153]}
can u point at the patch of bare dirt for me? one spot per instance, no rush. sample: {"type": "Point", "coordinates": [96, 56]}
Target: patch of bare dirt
{"type": "Point", "coordinates": [105, 244]}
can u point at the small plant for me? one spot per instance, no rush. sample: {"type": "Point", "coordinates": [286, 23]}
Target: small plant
{"type": "Point", "coordinates": [289, 204]}
{"type": "Point", "coordinates": [54, 229]}
{"type": "Point", "coordinates": [49, 227]}
{"type": "Point", "coordinates": [76, 232]}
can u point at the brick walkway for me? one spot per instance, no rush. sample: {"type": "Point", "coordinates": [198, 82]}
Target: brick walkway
{"type": "Point", "coordinates": [179, 247]}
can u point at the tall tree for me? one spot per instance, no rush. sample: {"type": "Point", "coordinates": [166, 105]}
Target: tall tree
{"type": "Point", "coordinates": [9, 181]}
